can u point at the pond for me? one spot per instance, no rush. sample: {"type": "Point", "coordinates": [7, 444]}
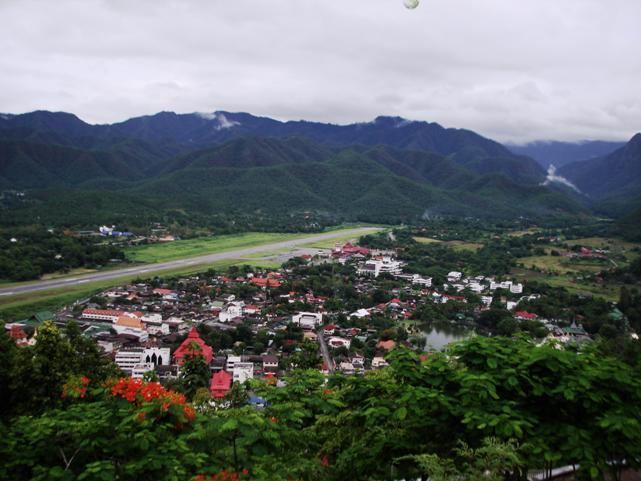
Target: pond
{"type": "Point", "coordinates": [437, 337]}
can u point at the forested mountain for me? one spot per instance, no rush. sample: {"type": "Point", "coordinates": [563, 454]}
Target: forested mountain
{"type": "Point", "coordinates": [561, 153]}
{"type": "Point", "coordinates": [389, 169]}
{"type": "Point", "coordinates": [615, 175]}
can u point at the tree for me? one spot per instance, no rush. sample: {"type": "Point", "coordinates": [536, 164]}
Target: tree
{"type": "Point", "coordinates": [194, 372]}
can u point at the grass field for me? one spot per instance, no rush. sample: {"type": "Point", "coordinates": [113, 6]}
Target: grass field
{"type": "Point", "coordinates": [561, 265]}
{"type": "Point", "coordinates": [207, 245]}
{"type": "Point", "coordinates": [463, 246]}
{"type": "Point", "coordinates": [427, 240]}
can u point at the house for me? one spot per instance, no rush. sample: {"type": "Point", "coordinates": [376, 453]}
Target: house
{"type": "Point", "coordinates": [336, 342]}
{"type": "Point", "coordinates": [379, 362]}
{"type": "Point", "coordinates": [360, 313]}
{"type": "Point", "coordinates": [525, 316]}
{"type": "Point", "coordinates": [346, 367]}
{"type": "Point", "coordinates": [265, 282]}
{"type": "Point", "coordinates": [18, 335]}
{"type": "Point", "coordinates": [454, 276]}
{"type": "Point", "coordinates": [193, 345]}
{"type": "Point", "coordinates": [308, 320]}
{"type": "Point", "coordinates": [329, 330]}
{"type": "Point", "coordinates": [270, 363]}
{"type": "Point", "coordinates": [386, 345]}
{"type": "Point", "coordinates": [220, 384]}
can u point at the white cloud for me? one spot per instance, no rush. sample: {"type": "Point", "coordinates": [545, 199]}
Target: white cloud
{"type": "Point", "coordinates": [511, 70]}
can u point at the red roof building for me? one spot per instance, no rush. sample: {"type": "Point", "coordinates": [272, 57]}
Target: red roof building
{"type": "Point", "coordinates": [162, 292]}
{"type": "Point", "coordinates": [387, 345]}
{"type": "Point", "coordinates": [220, 384]}
{"type": "Point", "coordinates": [528, 316]}
{"type": "Point", "coordinates": [18, 335]}
{"type": "Point", "coordinates": [188, 348]}
{"type": "Point", "coordinates": [265, 282]}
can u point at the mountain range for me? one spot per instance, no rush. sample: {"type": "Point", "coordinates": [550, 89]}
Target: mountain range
{"type": "Point", "coordinates": [390, 169]}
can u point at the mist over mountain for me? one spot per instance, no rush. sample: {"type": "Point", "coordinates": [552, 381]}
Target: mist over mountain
{"type": "Point", "coordinates": [562, 153]}
{"type": "Point", "coordinates": [615, 175]}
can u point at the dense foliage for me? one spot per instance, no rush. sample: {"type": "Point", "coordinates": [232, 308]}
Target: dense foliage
{"type": "Point", "coordinates": [28, 253]}
{"type": "Point", "coordinates": [495, 406]}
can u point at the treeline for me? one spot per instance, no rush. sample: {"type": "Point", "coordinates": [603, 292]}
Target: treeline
{"type": "Point", "coordinates": [28, 253]}
{"type": "Point", "coordinates": [487, 409]}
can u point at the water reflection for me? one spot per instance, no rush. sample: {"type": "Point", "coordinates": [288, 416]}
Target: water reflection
{"type": "Point", "coordinates": [440, 335]}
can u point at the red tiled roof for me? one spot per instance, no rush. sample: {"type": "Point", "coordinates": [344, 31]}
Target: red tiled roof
{"type": "Point", "coordinates": [162, 292]}
{"type": "Point", "coordinates": [186, 347]}
{"type": "Point", "coordinates": [265, 282]}
{"type": "Point", "coordinates": [387, 345]}
{"type": "Point", "coordinates": [220, 384]}
{"type": "Point", "coordinates": [525, 315]}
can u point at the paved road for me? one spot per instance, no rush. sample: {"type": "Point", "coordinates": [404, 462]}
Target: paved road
{"type": "Point", "coordinates": [329, 362]}
{"type": "Point", "coordinates": [148, 269]}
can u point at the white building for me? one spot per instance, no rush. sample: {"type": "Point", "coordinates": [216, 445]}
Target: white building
{"type": "Point", "coordinates": [243, 371]}
{"type": "Point", "coordinates": [336, 342]}
{"type": "Point", "coordinates": [346, 367]}
{"type": "Point", "coordinates": [516, 288]}
{"type": "Point", "coordinates": [308, 320]}
{"type": "Point", "coordinates": [130, 359]}
{"type": "Point", "coordinates": [231, 311]}
{"type": "Point", "coordinates": [231, 362]}
{"type": "Point", "coordinates": [152, 318]}
{"type": "Point", "coordinates": [379, 362]}
{"type": "Point", "coordinates": [384, 265]}
{"type": "Point", "coordinates": [454, 276]}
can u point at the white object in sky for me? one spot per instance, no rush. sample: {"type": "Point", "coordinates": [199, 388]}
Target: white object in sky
{"type": "Point", "coordinates": [411, 4]}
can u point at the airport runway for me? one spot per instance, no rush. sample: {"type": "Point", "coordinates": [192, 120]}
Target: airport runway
{"type": "Point", "coordinates": [148, 269]}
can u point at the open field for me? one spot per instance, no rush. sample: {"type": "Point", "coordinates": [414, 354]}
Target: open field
{"type": "Point", "coordinates": [560, 264]}
{"type": "Point", "coordinates": [463, 246]}
{"type": "Point", "coordinates": [195, 247]}
{"type": "Point", "coordinates": [427, 240]}
{"type": "Point", "coordinates": [454, 244]}
{"type": "Point", "coordinates": [608, 291]}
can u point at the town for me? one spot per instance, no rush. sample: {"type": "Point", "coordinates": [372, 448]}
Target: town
{"type": "Point", "coordinates": [251, 323]}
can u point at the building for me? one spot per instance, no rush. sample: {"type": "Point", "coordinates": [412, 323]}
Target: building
{"type": "Point", "coordinates": [140, 360]}
{"type": "Point", "coordinates": [454, 276]}
{"type": "Point", "coordinates": [307, 320]}
{"type": "Point", "coordinates": [382, 265]}
{"type": "Point", "coordinates": [231, 311]}
{"type": "Point", "coordinates": [243, 371]}
{"type": "Point", "coordinates": [379, 362]}
{"type": "Point", "coordinates": [270, 363]}
{"type": "Point", "coordinates": [110, 315]}
{"type": "Point", "coordinates": [220, 384]}
{"type": "Point", "coordinates": [193, 345]}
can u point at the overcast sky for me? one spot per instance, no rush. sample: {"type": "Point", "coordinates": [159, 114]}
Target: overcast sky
{"type": "Point", "coordinates": [513, 70]}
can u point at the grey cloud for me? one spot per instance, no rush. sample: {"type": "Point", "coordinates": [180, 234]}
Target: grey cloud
{"type": "Point", "coordinates": [512, 70]}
